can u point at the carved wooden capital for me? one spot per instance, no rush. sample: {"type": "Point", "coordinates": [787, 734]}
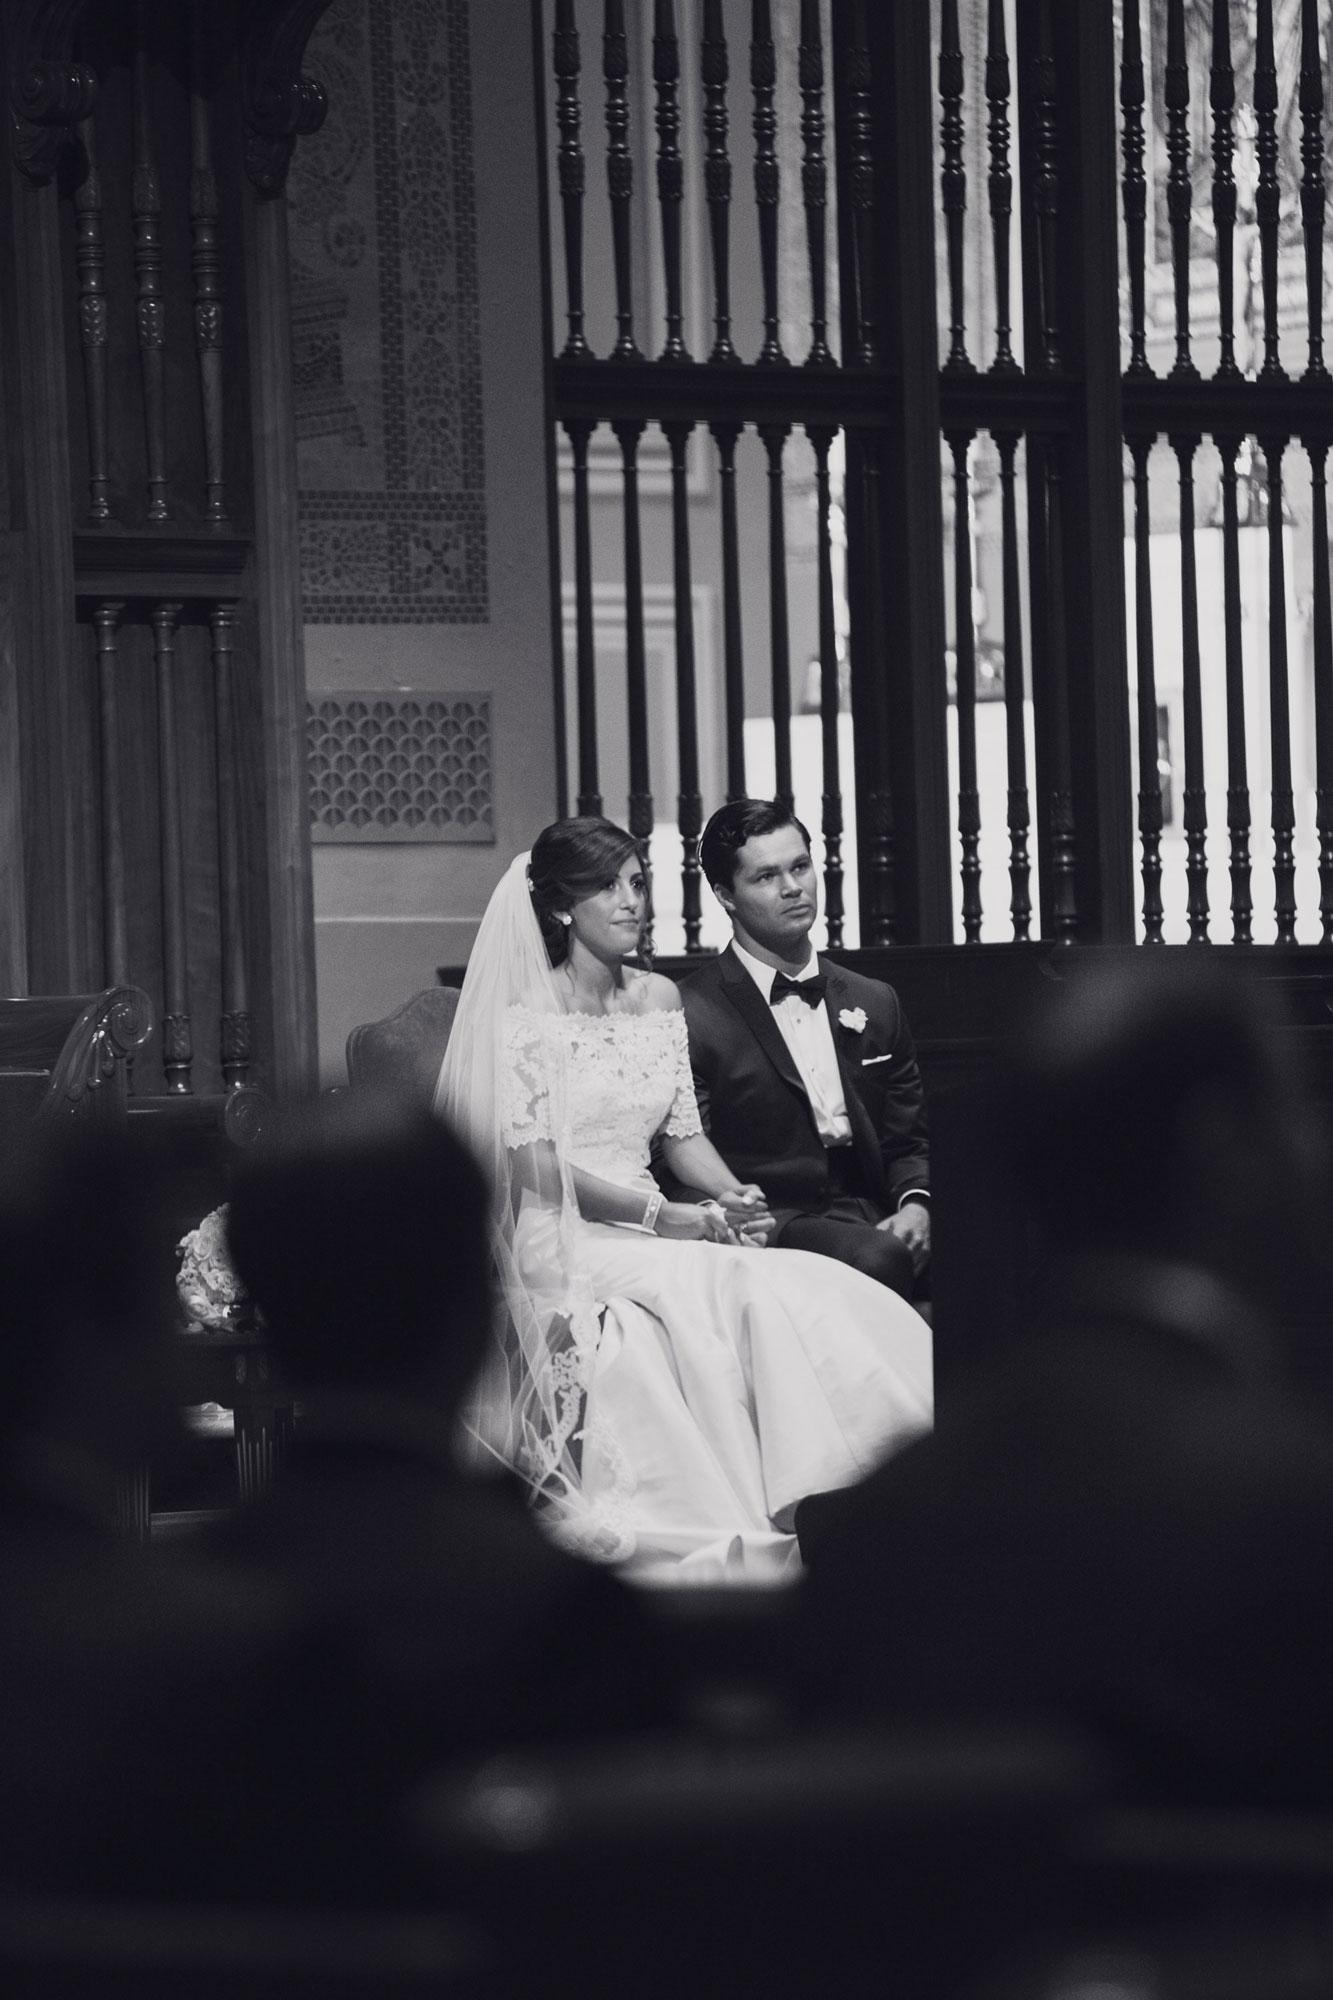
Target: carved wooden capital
{"type": "Point", "coordinates": [48, 91]}
{"type": "Point", "coordinates": [281, 105]}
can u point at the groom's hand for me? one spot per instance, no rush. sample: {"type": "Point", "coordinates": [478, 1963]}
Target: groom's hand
{"type": "Point", "coordinates": [748, 1215]}
{"type": "Point", "coordinates": [911, 1225]}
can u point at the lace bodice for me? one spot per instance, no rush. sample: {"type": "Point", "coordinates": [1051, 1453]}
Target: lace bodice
{"type": "Point", "coordinates": [622, 1077]}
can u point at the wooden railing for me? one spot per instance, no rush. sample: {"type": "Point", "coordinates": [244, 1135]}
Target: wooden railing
{"type": "Point", "coordinates": [1019, 118]}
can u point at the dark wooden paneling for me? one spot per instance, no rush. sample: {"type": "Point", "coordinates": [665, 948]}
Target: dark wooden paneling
{"type": "Point", "coordinates": [895, 514]}
{"type": "Point", "coordinates": [277, 580]}
{"type": "Point", "coordinates": [55, 698]}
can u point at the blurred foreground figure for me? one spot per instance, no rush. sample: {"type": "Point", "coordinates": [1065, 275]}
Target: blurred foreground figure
{"type": "Point", "coordinates": [127, 1679]}
{"type": "Point", "coordinates": [440, 1620]}
{"type": "Point", "coordinates": [1124, 1521]}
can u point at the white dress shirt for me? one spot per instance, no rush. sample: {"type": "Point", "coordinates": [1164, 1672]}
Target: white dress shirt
{"type": "Point", "coordinates": [809, 1035]}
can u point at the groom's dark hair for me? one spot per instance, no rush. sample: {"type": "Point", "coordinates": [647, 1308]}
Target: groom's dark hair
{"type": "Point", "coordinates": [735, 823]}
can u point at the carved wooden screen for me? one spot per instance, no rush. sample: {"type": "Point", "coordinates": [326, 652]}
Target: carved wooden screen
{"type": "Point", "coordinates": [1226, 398]}
{"type": "Point", "coordinates": [1099, 166]}
{"type": "Point", "coordinates": [158, 660]}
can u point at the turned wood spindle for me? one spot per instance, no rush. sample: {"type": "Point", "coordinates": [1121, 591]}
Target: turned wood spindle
{"type": "Point", "coordinates": [767, 174]}
{"type": "Point", "coordinates": [1178, 189]}
{"type": "Point", "coordinates": [177, 1046]}
{"type": "Point", "coordinates": [1279, 702]}
{"type": "Point", "coordinates": [715, 70]}
{"type": "Point", "coordinates": [1150, 776]}
{"type": "Point", "coordinates": [619, 173]}
{"type": "Point", "coordinates": [150, 301]}
{"type": "Point", "coordinates": [1134, 184]}
{"type": "Point", "coordinates": [1238, 784]}
{"type": "Point", "coordinates": [90, 263]}
{"type": "Point", "coordinates": [1222, 100]}
{"type": "Point", "coordinates": [580, 433]}
{"type": "Point", "coordinates": [1064, 853]}
{"type": "Point", "coordinates": [774, 438]}
{"type": "Point", "coordinates": [965, 685]}
{"type": "Point", "coordinates": [206, 263]}
{"type": "Point", "coordinates": [1312, 186]}
{"type": "Point", "coordinates": [1185, 444]}
{"type": "Point", "coordinates": [236, 1027]}
{"type": "Point", "coordinates": [1019, 816]}
{"type": "Point", "coordinates": [1268, 195]}
{"type": "Point", "coordinates": [1046, 197]}
{"type": "Point", "coordinates": [999, 182]}
{"type": "Point", "coordinates": [814, 177]}
{"type": "Point", "coordinates": [725, 436]}
{"type": "Point", "coordinates": [860, 183]}
{"type": "Point", "coordinates": [953, 181]}
{"type": "Point", "coordinates": [689, 799]}
{"type": "Point", "coordinates": [670, 170]}
{"type": "Point", "coordinates": [570, 171]}
{"type": "Point", "coordinates": [115, 940]}
{"type": "Point", "coordinates": [830, 691]}
{"type": "Point", "coordinates": [628, 435]}
{"type": "Point", "coordinates": [1323, 683]}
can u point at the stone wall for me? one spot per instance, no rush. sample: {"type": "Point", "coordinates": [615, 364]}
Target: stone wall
{"type": "Point", "coordinates": [417, 337]}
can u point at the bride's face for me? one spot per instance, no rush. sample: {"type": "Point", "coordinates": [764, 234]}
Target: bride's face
{"type": "Point", "coordinates": [610, 921]}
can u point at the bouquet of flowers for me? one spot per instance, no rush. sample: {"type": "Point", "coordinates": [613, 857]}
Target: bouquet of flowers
{"type": "Point", "coordinates": [208, 1288]}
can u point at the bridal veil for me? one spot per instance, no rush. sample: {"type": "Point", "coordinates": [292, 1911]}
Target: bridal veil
{"type": "Point", "coordinates": [529, 1399]}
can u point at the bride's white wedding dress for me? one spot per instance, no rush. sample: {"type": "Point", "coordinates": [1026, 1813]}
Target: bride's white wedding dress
{"type": "Point", "coordinates": [727, 1383]}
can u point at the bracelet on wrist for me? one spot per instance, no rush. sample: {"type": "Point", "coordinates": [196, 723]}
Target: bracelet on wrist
{"type": "Point", "coordinates": [652, 1209]}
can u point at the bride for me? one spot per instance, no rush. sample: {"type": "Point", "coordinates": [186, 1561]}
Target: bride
{"type": "Point", "coordinates": [668, 1388]}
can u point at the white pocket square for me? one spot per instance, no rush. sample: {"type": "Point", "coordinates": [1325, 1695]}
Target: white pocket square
{"type": "Point", "coordinates": [866, 1061]}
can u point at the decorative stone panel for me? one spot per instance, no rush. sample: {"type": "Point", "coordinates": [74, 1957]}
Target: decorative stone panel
{"type": "Point", "coordinates": [386, 327]}
{"type": "Point", "coordinates": [400, 767]}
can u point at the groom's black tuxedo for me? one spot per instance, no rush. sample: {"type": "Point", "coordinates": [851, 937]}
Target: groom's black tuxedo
{"type": "Point", "coordinates": [754, 1105]}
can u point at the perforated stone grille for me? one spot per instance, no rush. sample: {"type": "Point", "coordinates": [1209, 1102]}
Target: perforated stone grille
{"type": "Point", "coordinates": [400, 767]}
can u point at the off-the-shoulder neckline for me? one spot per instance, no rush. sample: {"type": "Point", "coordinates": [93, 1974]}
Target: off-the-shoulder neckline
{"type": "Point", "coordinates": [567, 1014]}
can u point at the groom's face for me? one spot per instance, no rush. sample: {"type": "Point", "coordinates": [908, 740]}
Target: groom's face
{"type": "Point", "coordinates": [774, 897]}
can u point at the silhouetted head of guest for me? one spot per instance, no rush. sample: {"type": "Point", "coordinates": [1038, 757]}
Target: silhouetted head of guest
{"type": "Point", "coordinates": [87, 1306]}
{"type": "Point", "coordinates": [1157, 1106]}
{"type": "Point", "coordinates": [361, 1232]}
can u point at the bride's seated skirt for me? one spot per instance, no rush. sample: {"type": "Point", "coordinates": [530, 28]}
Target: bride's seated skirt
{"type": "Point", "coordinates": [728, 1384]}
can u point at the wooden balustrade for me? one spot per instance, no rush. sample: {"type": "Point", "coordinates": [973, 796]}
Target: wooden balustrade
{"type": "Point", "coordinates": [1072, 420]}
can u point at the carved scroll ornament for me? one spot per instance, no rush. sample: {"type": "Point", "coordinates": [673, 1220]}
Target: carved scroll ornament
{"type": "Point", "coordinates": [48, 91]}
{"type": "Point", "coordinates": [281, 105]}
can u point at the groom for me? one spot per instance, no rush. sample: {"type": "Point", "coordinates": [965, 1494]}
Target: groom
{"type": "Point", "coordinates": [805, 1073]}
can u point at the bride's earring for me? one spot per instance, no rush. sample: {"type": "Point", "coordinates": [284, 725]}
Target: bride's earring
{"type": "Point", "coordinates": [564, 916]}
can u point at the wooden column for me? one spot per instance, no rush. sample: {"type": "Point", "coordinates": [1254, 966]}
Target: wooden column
{"type": "Point", "coordinates": [895, 554]}
{"type": "Point", "coordinates": [51, 922]}
{"type": "Point", "coordinates": [291, 926]}
{"type": "Point", "coordinates": [1071, 320]}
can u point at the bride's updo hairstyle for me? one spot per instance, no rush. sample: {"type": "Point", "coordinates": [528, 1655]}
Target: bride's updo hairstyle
{"type": "Point", "coordinates": [571, 860]}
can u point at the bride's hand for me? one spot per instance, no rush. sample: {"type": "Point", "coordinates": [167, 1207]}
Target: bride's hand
{"type": "Point", "coordinates": [749, 1217]}
{"type": "Point", "coordinates": [693, 1222]}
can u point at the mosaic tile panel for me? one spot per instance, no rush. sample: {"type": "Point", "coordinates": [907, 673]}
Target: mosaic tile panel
{"type": "Point", "coordinates": [398, 767]}
{"type": "Point", "coordinates": [386, 334]}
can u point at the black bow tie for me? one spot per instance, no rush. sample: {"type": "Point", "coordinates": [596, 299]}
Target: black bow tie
{"type": "Point", "coordinates": [811, 990]}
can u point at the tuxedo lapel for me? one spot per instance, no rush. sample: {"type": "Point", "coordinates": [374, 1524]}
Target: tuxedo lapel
{"type": "Point", "coordinates": [755, 1011]}
{"type": "Point", "coordinates": [864, 1137]}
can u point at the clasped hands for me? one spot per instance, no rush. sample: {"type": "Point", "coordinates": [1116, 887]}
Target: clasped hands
{"type": "Point", "coordinates": [911, 1225]}
{"type": "Point", "coordinates": [739, 1215]}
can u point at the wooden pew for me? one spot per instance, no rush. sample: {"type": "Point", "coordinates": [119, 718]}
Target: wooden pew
{"type": "Point", "coordinates": [67, 1056]}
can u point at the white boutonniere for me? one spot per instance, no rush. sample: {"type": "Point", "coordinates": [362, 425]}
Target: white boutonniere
{"type": "Point", "coordinates": [853, 1018]}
